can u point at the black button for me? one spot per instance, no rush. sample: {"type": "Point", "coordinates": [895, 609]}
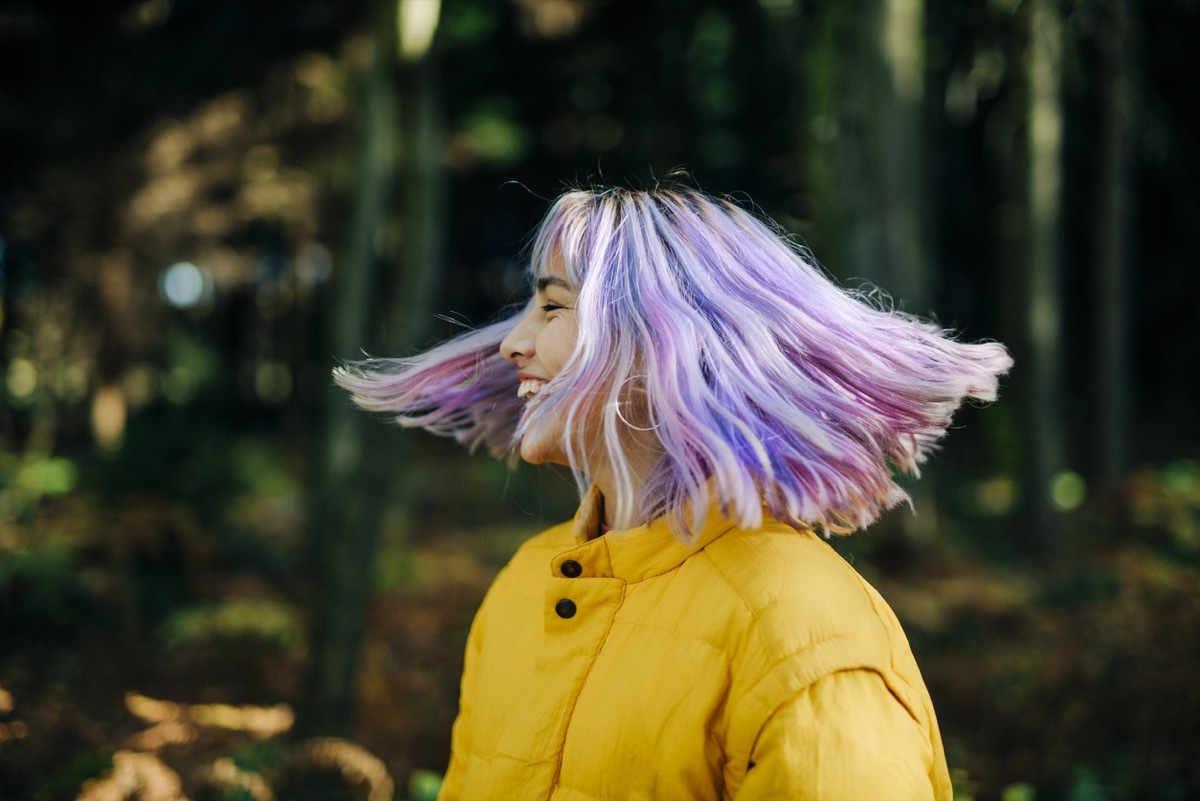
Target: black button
{"type": "Point", "coordinates": [571, 568]}
{"type": "Point", "coordinates": [565, 608]}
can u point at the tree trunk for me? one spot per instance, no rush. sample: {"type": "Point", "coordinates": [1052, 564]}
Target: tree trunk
{"type": "Point", "coordinates": [900, 136]}
{"type": "Point", "coordinates": [904, 202]}
{"type": "Point", "coordinates": [865, 77]}
{"type": "Point", "coordinates": [1113, 231]}
{"type": "Point", "coordinates": [1043, 320]}
{"type": "Point", "coordinates": [381, 305]}
{"type": "Point", "coordinates": [865, 74]}
{"type": "Point", "coordinates": [842, 69]}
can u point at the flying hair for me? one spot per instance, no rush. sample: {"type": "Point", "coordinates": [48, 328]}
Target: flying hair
{"type": "Point", "coordinates": [762, 380]}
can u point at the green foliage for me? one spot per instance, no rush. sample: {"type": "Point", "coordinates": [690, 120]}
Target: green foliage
{"type": "Point", "coordinates": [1167, 499]}
{"type": "Point", "coordinates": [176, 557]}
{"type": "Point", "coordinates": [170, 453]}
{"type": "Point", "coordinates": [1021, 791]}
{"type": "Point", "coordinates": [28, 478]}
{"type": "Point", "coordinates": [424, 785]}
{"type": "Point", "coordinates": [46, 477]}
{"type": "Point", "coordinates": [260, 757]}
{"type": "Point", "coordinates": [66, 780]}
{"type": "Point", "coordinates": [467, 23]}
{"type": "Point", "coordinates": [394, 568]}
{"type": "Point", "coordinates": [193, 365]}
{"type": "Point", "coordinates": [1086, 785]}
{"type": "Point", "coordinates": [492, 132]}
{"type": "Point", "coordinates": [232, 621]}
{"type": "Point", "coordinates": [44, 589]}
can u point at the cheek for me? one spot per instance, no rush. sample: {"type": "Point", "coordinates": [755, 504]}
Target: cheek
{"type": "Point", "coordinates": [557, 344]}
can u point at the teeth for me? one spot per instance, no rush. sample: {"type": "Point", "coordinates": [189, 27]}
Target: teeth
{"type": "Point", "coordinates": [529, 387]}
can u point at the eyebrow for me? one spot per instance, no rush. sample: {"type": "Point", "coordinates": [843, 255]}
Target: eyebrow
{"type": "Point", "coordinates": [552, 280]}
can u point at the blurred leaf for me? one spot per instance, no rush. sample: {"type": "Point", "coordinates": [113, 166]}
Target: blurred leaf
{"type": "Point", "coordinates": [493, 133]}
{"type": "Point", "coordinates": [260, 756]}
{"type": "Point", "coordinates": [467, 23]}
{"type": "Point", "coordinates": [394, 568]}
{"type": "Point", "coordinates": [1169, 498]}
{"type": "Point", "coordinates": [44, 589]}
{"type": "Point", "coordinates": [268, 621]}
{"type": "Point", "coordinates": [48, 476]}
{"type": "Point", "coordinates": [1086, 786]}
{"type": "Point", "coordinates": [66, 781]}
{"type": "Point", "coordinates": [1021, 791]}
{"type": "Point", "coordinates": [193, 355]}
{"type": "Point", "coordinates": [424, 785]}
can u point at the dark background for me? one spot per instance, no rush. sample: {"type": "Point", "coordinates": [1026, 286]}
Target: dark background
{"type": "Point", "coordinates": [217, 576]}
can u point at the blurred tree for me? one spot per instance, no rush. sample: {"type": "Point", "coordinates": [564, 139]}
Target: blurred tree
{"type": "Point", "coordinates": [1042, 306]}
{"type": "Point", "coordinates": [1115, 221]}
{"type": "Point", "coordinates": [384, 285]}
{"type": "Point", "coordinates": [863, 66]}
{"type": "Point", "coordinates": [866, 159]}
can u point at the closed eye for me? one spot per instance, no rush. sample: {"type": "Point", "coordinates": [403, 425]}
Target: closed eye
{"type": "Point", "coordinates": [552, 307]}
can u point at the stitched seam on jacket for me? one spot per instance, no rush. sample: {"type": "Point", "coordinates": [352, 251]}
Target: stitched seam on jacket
{"type": "Point", "coordinates": [808, 678]}
{"type": "Point", "coordinates": [809, 648]}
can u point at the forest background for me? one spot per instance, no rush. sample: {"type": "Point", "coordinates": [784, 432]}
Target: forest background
{"type": "Point", "coordinates": [219, 580]}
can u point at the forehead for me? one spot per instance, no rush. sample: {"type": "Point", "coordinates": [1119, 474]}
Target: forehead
{"type": "Point", "coordinates": [551, 271]}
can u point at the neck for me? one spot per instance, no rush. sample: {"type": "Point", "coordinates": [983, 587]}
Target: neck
{"type": "Point", "coordinates": [643, 450]}
{"type": "Point", "coordinates": [621, 506]}
{"type": "Point", "coordinates": [618, 510]}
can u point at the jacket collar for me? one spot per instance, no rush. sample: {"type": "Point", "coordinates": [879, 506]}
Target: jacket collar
{"type": "Point", "coordinates": [637, 553]}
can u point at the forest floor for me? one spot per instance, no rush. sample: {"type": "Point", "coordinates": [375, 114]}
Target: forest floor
{"type": "Point", "coordinates": [1066, 678]}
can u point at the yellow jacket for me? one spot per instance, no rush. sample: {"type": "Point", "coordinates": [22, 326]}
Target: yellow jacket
{"type": "Point", "coordinates": [752, 664]}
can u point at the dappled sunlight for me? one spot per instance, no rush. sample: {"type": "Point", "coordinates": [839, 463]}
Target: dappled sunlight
{"type": "Point", "coordinates": [109, 413]}
{"type": "Point", "coordinates": [13, 730]}
{"type": "Point", "coordinates": [417, 22]}
{"type": "Point", "coordinates": [135, 775]}
{"type": "Point", "coordinates": [10, 729]}
{"type": "Point", "coordinates": [355, 764]}
{"type": "Point", "coordinates": [166, 195]}
{"type": "Point", "coordinates": [257, 721]}
{"type": "Point", "coordinates": [552, 19]}
{"type": "Point", "coordinates": [188, 206]}
{"type": "Point", "coordinates": [156, 763]}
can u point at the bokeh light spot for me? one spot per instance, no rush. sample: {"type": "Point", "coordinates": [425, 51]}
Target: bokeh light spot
{"type": "Point", "coordinates": [109, 412]}
{"type": "Point", "coordinates": [996, 496]}
{"type": "Point", "coordinates": [184, 285]}
{"type": "Point", "coordinates": [1067, 490]}
{"type": "Point", "coordinates": [22, 378]}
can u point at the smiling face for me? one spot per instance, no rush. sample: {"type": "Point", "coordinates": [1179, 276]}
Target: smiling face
{"type": "Point", "coordinates": [540, 345]}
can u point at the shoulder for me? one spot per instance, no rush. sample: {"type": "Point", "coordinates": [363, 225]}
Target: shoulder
{"type": "Point", "coordinates": [808, 617]}
{"type": "Point", "coordinates": [776, 567]}
{"type": "Point", "coordinates": [799, 594]}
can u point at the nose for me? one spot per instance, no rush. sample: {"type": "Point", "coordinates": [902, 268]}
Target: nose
{"type": "Point", "coordinates": [517, 345]}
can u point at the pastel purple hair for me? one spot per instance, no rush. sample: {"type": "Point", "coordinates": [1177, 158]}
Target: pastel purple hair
{"type": "Point", "coordinates": [764, 382]}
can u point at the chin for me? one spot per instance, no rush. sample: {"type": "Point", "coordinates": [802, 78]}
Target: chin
{"type": "Point", "coordinates": [536, 450]}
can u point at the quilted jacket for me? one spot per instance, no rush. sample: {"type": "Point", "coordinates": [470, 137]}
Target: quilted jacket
{"type": "Point", "coordinates": [750, 664]}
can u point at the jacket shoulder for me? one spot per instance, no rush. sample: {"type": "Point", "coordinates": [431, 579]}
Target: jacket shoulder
{"type": "Point", "coordinates": [799, 592]}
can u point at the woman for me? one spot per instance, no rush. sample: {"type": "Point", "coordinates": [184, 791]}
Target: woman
{"type": "Point", "coordinates": [689, 634]}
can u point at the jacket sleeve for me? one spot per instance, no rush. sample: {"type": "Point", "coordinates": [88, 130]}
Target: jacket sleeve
{"type": "Point", "coordinates": [460, 735]}
{"type": "Point", "coordinates": [845, 737]}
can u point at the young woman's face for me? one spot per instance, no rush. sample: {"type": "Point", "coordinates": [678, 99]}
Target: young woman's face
{"type": "Point", "coordinates": [539, 345]}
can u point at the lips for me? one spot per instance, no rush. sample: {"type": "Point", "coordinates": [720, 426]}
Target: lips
{"type": "Point", "coordinates": [530, 387]}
